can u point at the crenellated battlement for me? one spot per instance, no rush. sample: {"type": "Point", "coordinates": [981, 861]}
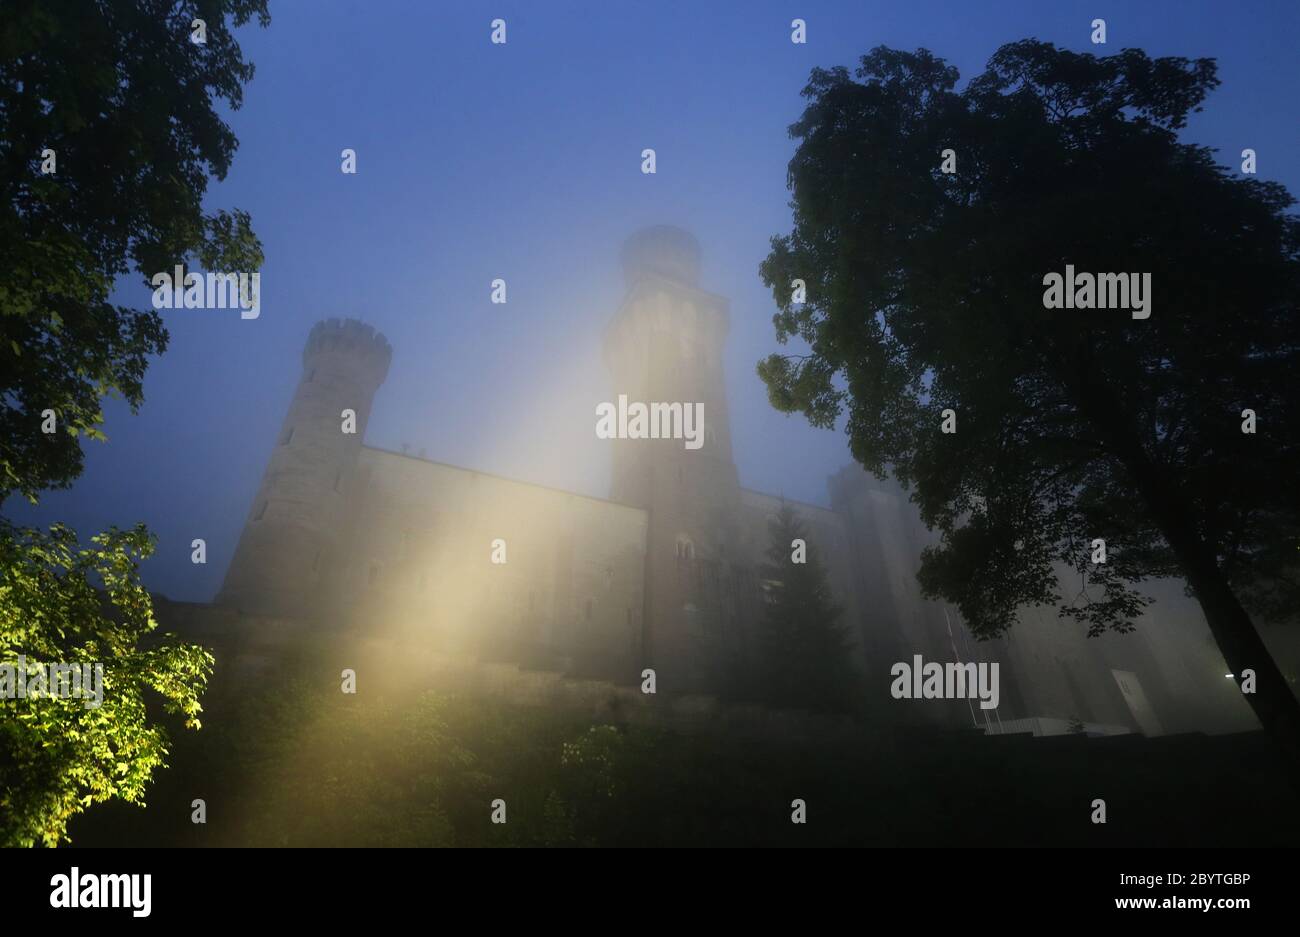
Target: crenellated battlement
{"type": "Point", "coordinates": [352, 338]}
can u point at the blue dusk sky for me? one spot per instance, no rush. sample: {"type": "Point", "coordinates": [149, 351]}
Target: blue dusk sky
{"type": "Point", "coordinates": [522, 161]}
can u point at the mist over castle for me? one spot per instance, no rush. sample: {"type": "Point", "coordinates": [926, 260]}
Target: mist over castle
{"type": "Point", "coordinates": [630, 426]}
{"type": "Point", "coordinates": [637, 420]}
{"type": "Point", "coordinates": [665, 573]}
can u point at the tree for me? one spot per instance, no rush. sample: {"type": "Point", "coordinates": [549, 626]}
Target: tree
{"type": "Point", "coordinates": [108, 134]}
{"type": "Point", "coordinates": [60, 752]}
{"type": "Point", "coordinates": [925, 293]}
{"type": "Point", "coordinates": [804, 656]}
{"type": "Point", "coordinates": [124, 101]}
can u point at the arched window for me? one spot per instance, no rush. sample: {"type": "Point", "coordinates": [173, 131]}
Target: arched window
{"type": "Point", "coordinates": [685, 549]}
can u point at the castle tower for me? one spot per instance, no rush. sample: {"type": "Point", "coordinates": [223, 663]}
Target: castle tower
{"type": "Point", "coordinates": [290, 539]}
{"type": "Point", "coordinates": [665, 346]}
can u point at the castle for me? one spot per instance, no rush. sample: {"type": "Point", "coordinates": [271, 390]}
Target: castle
{"type": "Point", "coordinates": [665, 573]}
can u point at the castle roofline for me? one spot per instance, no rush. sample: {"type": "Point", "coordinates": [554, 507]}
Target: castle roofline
{"type": "Point", "coordinates": [503, 478]}
{"type": "Point", "coordinates": [576, 494]}
{"type": "Point", "coordinates": [795, 502]}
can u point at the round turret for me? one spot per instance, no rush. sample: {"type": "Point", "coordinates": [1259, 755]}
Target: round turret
{"type": "Point", "coordinates": [286, 555]}
{"type": "Point", "coordinates": [351, 344]}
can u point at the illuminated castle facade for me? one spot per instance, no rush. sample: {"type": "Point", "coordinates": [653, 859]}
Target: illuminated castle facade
{"type": "Point", "coordinates": [665, 573]}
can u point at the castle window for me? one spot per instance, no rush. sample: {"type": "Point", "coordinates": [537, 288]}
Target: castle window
{"type": "Point", "coordinates": [685, 549]}
{"type": "Point", "coordinates": [261, 512]}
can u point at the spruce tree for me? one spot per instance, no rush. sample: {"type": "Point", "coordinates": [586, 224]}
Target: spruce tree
{"type": "Point", "coordinates": [804, 653]}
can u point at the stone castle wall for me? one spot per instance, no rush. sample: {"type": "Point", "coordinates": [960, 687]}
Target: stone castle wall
{"type": "Point", "coordinates": [422, 552]}
{"type": "Point", "coordinates": [665, 575]}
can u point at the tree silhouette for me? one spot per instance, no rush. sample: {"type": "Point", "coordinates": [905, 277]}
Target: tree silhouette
{"type": "Point", "coordinates": [803, 652]}
{"type": "Point", "coordinates": [126, 102]}
{"type": "Point", "coordinates": [925, 292]}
